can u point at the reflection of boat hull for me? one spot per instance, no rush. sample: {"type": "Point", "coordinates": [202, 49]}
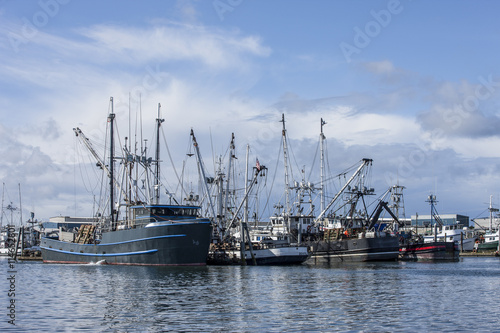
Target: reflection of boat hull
{"type": "Point", "coordinates": [162, 245]}
{"type": "Point", "coordinates": [431, 251]}
{"type": "Point", "coordinates": [355, 249]}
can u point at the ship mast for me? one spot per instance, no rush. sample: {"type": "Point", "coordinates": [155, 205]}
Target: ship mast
{"type": "Point", "coordinates": [245, 212]}
{"type": "Point", "coordinates": [200, 164]}
{"type": "Point", "coordinates": [20, 206]}
{"type": "Point", "coordinates": [491, 209]}
{"type": "Point", "coordinates": [231, 155]}
{"type": "Point", "coordinates": [111, 119]}
{"type": "Point", "coordinates": [286, 211]}
{"type": "Point", "coordinates": [157, 157]}
{"type": "Point", "coordinates": [322, 167]}
{"type": "Point", "coordinates": [3, 198]}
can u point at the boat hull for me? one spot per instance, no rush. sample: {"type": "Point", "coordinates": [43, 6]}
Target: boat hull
{"type": "Point", "coordinates": [354, 250]}
{"type": "Point", "coordinates": [165, 245]}
{"type": "Point", "coordinates": [292, 255]}
{"type": "Point", "coordinates": [431, 251]}
{"type": "Point", "coordinates": [487, 247]}
{"type": "Point", "coordinates": [467, 244]}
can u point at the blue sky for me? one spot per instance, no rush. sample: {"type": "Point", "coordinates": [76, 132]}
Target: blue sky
{"type": "Point", "coordinates": [414, 85]}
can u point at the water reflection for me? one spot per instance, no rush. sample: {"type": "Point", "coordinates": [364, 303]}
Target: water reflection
{"type": "Point", "coordinates": [353, 297]}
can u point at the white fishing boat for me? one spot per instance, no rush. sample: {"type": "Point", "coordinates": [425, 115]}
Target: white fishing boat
{"type": "Point", "coordinates": [462, 237]}
{"type": "Point", "coordinates": [271, 253]}
{"type": "Point", "coordinates": [236, 242]}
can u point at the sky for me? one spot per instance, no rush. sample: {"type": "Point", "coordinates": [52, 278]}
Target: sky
{"type": "Point", "coordinates": [413, 85]}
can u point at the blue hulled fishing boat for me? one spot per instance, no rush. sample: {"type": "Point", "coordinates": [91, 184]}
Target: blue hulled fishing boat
{"type": "Point", "coordinates": [150, 233]}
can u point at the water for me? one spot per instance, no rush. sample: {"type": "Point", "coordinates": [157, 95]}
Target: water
{"type": "Point", "coordinates": [374, 297]}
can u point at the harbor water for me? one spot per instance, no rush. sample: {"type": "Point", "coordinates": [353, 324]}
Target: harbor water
{"type": "Point", "coordinates": [363, 297]}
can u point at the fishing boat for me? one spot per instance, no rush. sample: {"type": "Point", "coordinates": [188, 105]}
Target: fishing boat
{"type": "Point", "coordinates": [438, 247]}
{"type": "Point", "coordinates": [267, 248]}
{"type": "Point", "coordinates": [159, 235]}
{"type": "Point", "coordinates": [4, 241]}
{"type": "Point", "coordinates": [488, 242]}
{"type": "Point", "coordinates": [354, 240]}
{"type": "Point", "coordinates": [464, 239]}
{"type": "Point", "coordinates": [151, 233]}
{"type": "Point", "coordinates": [343, 231]}
{"type": "Point", "coordinates": [270, 253]}
{"type": "Point", "coordinates": [429, 251]}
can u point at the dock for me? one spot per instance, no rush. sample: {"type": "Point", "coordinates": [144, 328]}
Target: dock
{"type": "Point", "coordinates": [479, 254]}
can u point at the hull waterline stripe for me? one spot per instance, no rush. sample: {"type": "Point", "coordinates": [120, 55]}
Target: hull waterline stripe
{"type": "Point", "coordinates": [129, 241]}
{"type": "Point", "coordinates": [102, 254]}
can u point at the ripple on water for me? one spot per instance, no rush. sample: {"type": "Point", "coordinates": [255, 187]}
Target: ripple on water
{"type": "Point", "coordinates": [380, 297]}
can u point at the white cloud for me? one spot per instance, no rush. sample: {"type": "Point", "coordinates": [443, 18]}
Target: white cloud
{"type": "Point", "coordinates": [384, 67]}
{"type": "Point", "coordinates": [179, 42]}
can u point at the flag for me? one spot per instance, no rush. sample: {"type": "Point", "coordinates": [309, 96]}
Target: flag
{"type": "Point", "coordinates": [257, 164]}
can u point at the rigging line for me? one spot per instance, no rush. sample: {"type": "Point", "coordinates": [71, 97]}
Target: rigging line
{"type": "Point", "coordinates": [213, 151]}
{"type": "Point", "coordinates": [480, 213]}
{"type": "Point", "coordinates": [314, 161]}
{"type": "Point", "coordinates": [266, 205]}
{"type": "Point", "coordinates": [344, 173]}
{"type": "Point", "coordinates": [172, 162]}
{"type": "Point", "coordinates": [328, 165]}
{"type": "Point", "coordinates": [289, 146]}
{"type": "Point", "coordinates": [275, 174]}
{"type": "Point", "coordinates": [180, 184]}
{"type": "Point", "coordinates": [80, 168]}
{"type": "Point", "coordinates": [83, 165]}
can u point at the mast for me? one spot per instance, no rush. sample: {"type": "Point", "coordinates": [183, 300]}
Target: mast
{"type": "Point", "coordinates": [20, 206]}
{"type": "Point", "coordinates": [285, 162]}
{"type": "Point", "coordinates": [243, 226]}
{"type": "Point", "coordinates": [245, 212]}
{"type": "Point", "coordinates": [3, 198]}
{"type": "Point", "coordinates": [198, 156]}
{"type": "Point", "coordinates": [220, 190]}
{"type": "Point", "coordinates": [491, 209]}
{"type": "Point", "coordinates": [157, 157]}
{"type": "Point", "coordinates": [231, 154]}
{"type": "Point", "coordinates": [322, 167]}
{"type": "Point", "coordinates": [111, 119]}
